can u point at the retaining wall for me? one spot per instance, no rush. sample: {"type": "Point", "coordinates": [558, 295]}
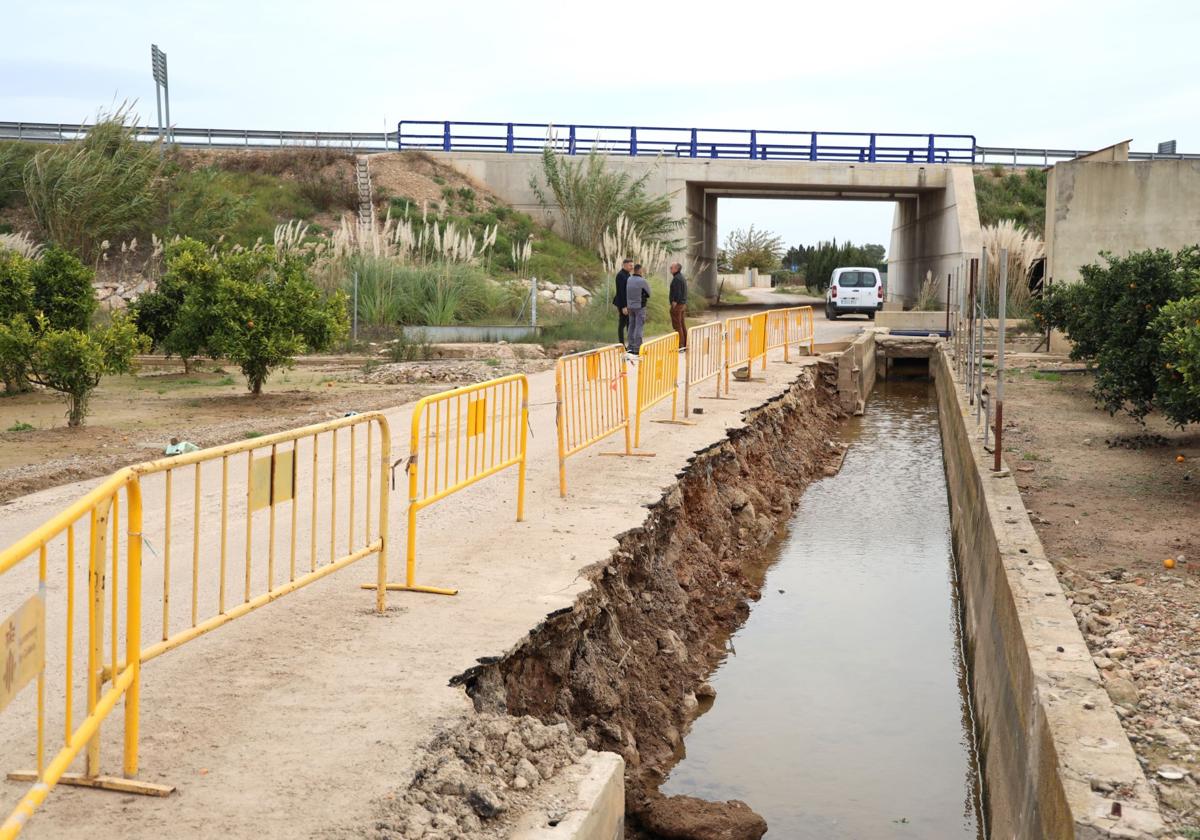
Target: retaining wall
{"type": "Point", "coordinates": [1048, 729]}
{"type": "Point", "coordinates": [856, 372]}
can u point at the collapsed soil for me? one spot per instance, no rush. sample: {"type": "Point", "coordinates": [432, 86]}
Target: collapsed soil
{"type": "Point", "coordinates": [624, 666]}
{"type": "Point", "coordinates": [1111, 501]}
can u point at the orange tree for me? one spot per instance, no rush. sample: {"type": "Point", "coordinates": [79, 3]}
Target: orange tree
{"type": "Point", "coordinates": [1118, 316]}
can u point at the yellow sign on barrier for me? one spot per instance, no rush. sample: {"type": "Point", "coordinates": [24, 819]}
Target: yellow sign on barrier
{"type": "Point", "coordinates": [592, 394]}
{"type": "Point", "coordinates": [758, 338]}
{"type": "Point", "coordinates": [704, 358]}
{"type": "Point", "coordinates": [658, 377]}
{"type": "Point", "coordinates": [275, 482]}
{"type": "Point", "coordinates": [460, 437]}
{"type": "Point", "coordinates": [22, 648]}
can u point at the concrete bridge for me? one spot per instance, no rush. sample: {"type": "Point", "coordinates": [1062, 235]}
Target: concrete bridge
{"type": "Point", "coordinates": [936, 223]}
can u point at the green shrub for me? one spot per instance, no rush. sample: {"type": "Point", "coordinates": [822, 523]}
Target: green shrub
{"type": "Point", "coordinates": [62, 290]}
{"type": "Point", "coordinates": [213, 202]}
{"type": "Point", "coordinates": [1110, 318]}
{"type": "Point", "coordinates": [72, 361]}
{"type": "Point", "coordinates": [328, 192]}
{"type": "Point", "coordinates": [264, 312]}
{"type": "Point", "coordinates": [590, 197]}
{"type": "Point", "coordinates": [191, 271]}
{"type": "Point", "coordinates": [20, 426]}
{"type": "Point", "coordinates": [16, 302]}
{"type": "Point", "coordinates": [1179, 375]}
{"type": "Point", "coordinates": [104, 186]}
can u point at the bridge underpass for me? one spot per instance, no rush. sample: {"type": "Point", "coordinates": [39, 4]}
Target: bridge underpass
{"type": "Point", "coordinates": [935, 225]}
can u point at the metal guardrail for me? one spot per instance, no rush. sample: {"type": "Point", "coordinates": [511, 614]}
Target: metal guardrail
{"type": "Point", "coordinates": [366, 141]}
{"type": "Point", "coordinates": [1019, 156]}
{"type": "Point", "coordinates": [753, 144]}
{"type": "Point", "coordinates": [750, 144]}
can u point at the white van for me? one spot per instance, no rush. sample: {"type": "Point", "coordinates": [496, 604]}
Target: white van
{"type": "Point", "coordinates": [854, 290]}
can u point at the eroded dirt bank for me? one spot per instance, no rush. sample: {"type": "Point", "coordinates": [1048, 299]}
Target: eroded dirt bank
{"type": "Point", "coordinates": [624, 666]}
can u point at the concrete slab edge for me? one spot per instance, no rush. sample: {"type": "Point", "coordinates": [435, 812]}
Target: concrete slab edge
{"type": "Point", "coordinates": [1057, 761]}
{"type": "Point", "coordinates": [598, 810]}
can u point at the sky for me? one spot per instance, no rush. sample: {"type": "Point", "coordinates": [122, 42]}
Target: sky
{"type": "Point", "coordinates": [1034, 74]}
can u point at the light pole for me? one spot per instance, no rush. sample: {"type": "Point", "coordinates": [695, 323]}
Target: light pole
{"type": "Point", "coordinates": [162, 95]}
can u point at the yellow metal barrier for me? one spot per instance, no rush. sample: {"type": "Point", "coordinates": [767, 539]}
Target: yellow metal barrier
{"type": "Point", "coordinates": [790, 326]}
{"type": "Point", "coordinates": [737, 344]}
{"type": "Point", "coordinates": [276, 478]}
{"type": "Point", "coordinates": [287, 513]}
{"type": "Point", "coordinates": [658, 377]}
{"type": "Point", "coordinates": [805, 330]}
{"type": "Point", "coordinates": [704, 358]}
{"type": "Point", "coordinates": [591, 390]}
{"type": "Point", "coordinates": [460, 437]}
{"type": "Point", "coordinates": [93, 521]}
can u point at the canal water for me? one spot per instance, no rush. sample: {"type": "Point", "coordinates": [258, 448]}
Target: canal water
{"type": "Point", "coordinates": [841, 708]}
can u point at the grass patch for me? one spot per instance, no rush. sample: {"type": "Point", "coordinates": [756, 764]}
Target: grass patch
{"type": "Point", "coordinates": [211, 202]}
{"type": "Point", "coordinates": [1048, 376]}
{"type": "Point", "coordinates": [252, 434]}
{"type": "Point", "coordinates": [20, 426]}
{"type": "Point", "coordinates": [1033, 456]}
{"type": "Point", "coordinates": [1018, 196]}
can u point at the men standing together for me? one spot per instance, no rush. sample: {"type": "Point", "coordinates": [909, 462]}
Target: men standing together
{"type": "Point", "coordinates": [633, 296]}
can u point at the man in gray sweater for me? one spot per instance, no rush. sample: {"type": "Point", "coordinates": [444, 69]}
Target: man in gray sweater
{"type": "Point", "coordinates": [637, 298]}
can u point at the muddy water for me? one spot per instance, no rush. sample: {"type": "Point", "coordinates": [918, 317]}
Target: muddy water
{"type": "Point", "coordinates": [840, 708]}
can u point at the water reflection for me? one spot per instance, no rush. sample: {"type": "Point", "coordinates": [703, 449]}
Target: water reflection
{"type": "Point", "coordinates": [842, 713]}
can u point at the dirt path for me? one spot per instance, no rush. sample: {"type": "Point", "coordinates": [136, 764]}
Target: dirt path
{"type": "Point", "coordinates": [298, 717]}
{"type": "Point", "coordinates": [1111, 501]}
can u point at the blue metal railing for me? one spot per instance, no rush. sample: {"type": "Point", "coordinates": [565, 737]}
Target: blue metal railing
{"type": "Point", "coordinates": [752, 144]}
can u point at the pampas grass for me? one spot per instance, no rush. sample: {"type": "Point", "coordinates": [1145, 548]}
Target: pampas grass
{"type": "Point", "coordinates": [624, 240]}
{"type": "Point", "coordinates": [1023, 248]}
{"type": "Point", "coordinates": [23, 244]}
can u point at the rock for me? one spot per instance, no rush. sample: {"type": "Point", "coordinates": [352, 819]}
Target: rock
{"type": "Point", "coordinates": [689, 818]}
{"type": "Point", "coordinates": [562, 295]}
{"type": "Point", "coordinates": [1117, 653]}
{"type": "Point", "coordinates": [705, 691]}
{"type": "Point", "coordinates": [690, 702]}
{"type": "Point", "coordinates": [1171, 737]}
{"type": "Point", "coordinates": [737, 499]}
{"type": "Point", "coordinates": [1170, 773]}
{"type": "Point", "coordinates": [581, 292]}
{"type": "Point", "coordinates": [1120, 638]}
{"type": "Point", "coordinates": [484, 802]}
{"type": "Point", "coordinates": [1178, 797]}
{"type": "Point", "coordinates": [528, 772]}
{"type": "Point", "coordinates": [1122, 691]}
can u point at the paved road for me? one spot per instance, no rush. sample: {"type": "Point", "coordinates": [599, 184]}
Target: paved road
{"type": "Point", "coordinates": [299, 715]}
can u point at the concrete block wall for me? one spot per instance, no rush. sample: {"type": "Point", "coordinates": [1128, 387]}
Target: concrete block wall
{"type": "Point", "coordinates": [1047, 725]}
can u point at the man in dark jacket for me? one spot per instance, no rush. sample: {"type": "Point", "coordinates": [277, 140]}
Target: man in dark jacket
{"type": "Point", "coordinates": [619, 300]}
{"type": "Point", "coordinates": [678, 298]}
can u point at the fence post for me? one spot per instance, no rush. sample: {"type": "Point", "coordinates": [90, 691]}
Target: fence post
{"type": "Point", "coordinates": [446, 136]}
{"type": "Point", "coordinates": [533, 301]}
{"type": "Point", "coordinates": [633, 141]}
{"type": "Point", "coordinates": [692, 150]}
{"type": "Point", "coordinates": [571, 140]}
{"type": "Point", "coordinates": [871, 152]}
{"type": "Point", "coordinates": [753, 144]}
{"type": "Point", "coordinates": [1003, 313]}
{"type": "Point", "coordinates": [930, 155]}
{"type": "Point", "coordinates": [355, 330]}
{"type": "Point", "coordinates": [133, 623]}
{"type": "Point", "coordinates": [508, 140]}
{"type": "Point", "coordinates": [812, 148]}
